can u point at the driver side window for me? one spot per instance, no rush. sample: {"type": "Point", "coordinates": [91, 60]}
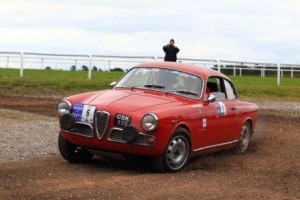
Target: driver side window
{"type": "Point", "coordinates": [214, 87]}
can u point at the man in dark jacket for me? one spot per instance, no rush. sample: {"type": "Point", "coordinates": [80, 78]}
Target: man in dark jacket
{"type": "Point", "coordinates": [171, 51]}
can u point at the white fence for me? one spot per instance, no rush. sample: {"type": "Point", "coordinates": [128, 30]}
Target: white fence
{"type": "Point", "coordinates": [31, 60]}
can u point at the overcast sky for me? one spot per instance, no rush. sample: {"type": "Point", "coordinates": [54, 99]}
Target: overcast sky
{"type": "Point", "coordinates": [251, 30]}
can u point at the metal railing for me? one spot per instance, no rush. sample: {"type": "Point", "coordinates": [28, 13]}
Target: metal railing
{"type": "Point", "coordinates": [108, 62]}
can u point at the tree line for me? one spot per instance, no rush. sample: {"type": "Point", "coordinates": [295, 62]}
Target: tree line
{"type": "Point", "coordinates": [86, 68]}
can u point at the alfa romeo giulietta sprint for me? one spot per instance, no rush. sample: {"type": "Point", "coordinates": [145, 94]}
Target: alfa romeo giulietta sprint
{"type": "Point", "coordinates": [166, 112]}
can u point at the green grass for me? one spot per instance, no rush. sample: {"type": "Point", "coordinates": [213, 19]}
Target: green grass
{"type": "Point", "coordinates": [266, 88]}
{"type": "Point", "coordinates": [64, 83]}
{"type": "Point", "coordinates": [57, 83]}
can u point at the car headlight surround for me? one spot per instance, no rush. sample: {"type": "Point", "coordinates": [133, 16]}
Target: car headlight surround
{"type": "Point", "coordinates": [149, 122]}
{"type": "Point", "coordinates": [63, 107]}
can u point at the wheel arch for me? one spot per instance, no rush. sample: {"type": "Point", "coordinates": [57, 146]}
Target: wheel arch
{"type": "Point", "coordinates": [250, 120]}
{"type": "Point", "coordinates": [188, 129]}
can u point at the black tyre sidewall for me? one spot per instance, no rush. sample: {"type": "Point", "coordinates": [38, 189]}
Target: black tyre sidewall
{"type": "Point", "coordinates": [238, 147]}
{"type": "Point", "coordinates": [160, 163]}
{"type": "Point", "coordinates": [67, 151]}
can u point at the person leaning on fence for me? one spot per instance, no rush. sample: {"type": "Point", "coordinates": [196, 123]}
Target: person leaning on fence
{"type": "Point", "coordinates": [171, 51]}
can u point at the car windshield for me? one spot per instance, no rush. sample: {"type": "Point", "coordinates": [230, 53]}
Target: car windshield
{"type": "Point", "coordinates": [165, 80]}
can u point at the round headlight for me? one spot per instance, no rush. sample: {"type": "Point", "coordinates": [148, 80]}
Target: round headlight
{"type": "Point", "coordinates": [149, 122]}
{"type": "Point", "coordinates": [63, 107]}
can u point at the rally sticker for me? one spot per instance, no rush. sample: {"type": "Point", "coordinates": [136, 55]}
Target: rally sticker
{"type": "Point", "coordinates": [83, 113]}
{"type": "Point", "coordinates": [204, 122]}
{"type": "Point", "coordinates": [221, 109]}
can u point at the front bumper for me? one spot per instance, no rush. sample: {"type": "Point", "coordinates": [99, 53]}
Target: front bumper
{"type": "Point", "coordinates": [113, 142]}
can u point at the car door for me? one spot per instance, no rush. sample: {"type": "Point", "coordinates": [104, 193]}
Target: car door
{"type": "Point", "coordinates": [233, 111]}
{"type": "Point", "coordinates": [220, 115]}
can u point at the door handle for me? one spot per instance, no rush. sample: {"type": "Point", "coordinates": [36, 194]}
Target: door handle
{"type": "Point", "coordinates": [233, 108]}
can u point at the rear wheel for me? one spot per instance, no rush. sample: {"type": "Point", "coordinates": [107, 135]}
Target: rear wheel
{"type": "Point", "coordinates": [72, 152]}
{"type": "Point", "coordinates": [176, 154]}
{"type": "Point", "coordinates": [244, 138]}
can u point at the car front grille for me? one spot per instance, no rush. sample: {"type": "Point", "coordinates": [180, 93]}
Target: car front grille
{"type": "Point", "coordinates": [102, 120]}
{"type": "Point", "coordinates": [82, 129]}
{"type": "Point", "coordinates": [115, 135]}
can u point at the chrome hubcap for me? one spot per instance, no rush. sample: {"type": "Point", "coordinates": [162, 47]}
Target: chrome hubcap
{"type": "Point", "coordinates": [177, 152]}
{"type": "Point", "coordinates": [245, 137]}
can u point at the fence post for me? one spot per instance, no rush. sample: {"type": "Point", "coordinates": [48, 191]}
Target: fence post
{"type": "Point", "coordinates": [90, 67]}
{"type": "Point", "coordinates": [234, 68]}
{"type": "Point", "coordinates": [109, 65]}
{"type": "Point", "coordinates": [240, 71]}
{"type": "Point", "coordinates": [21, 64]}
{"type": "Point", "coordinates": [292, 72]}
{"type": "Point", "coordinates": [278, 73]}
{"type": "Point", "coordinates": [42, 63]}
{"type": "Point", "coordinates": [7, 62]}
{"type": "Point", "coordinates": [218, 65]}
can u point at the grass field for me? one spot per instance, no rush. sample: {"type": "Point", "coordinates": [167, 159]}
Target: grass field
{"type": "Point", "coordinates": [62, 83]}
{"type": "Point", "coordinates": [51, 82]}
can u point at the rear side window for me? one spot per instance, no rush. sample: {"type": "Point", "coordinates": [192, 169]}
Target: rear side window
{"type": "Point", "coordinates": [230, 91]}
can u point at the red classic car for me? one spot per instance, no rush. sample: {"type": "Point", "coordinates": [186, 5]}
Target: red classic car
{"type": "Point", "coordinates": [167, 112]}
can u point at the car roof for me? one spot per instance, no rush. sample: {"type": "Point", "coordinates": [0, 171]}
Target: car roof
{"type": "Point", "coordinates": [203, 72]}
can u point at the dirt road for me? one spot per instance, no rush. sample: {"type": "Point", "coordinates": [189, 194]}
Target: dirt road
{"type": "Point", "coordinates": [269, 170]}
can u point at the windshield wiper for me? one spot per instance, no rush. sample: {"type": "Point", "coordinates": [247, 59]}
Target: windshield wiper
{"type": "Point", "coordinates": [184, 92]}
{"type": "Point", "coordinates": [134, 86]}
{"type": "Point", "coordinates": [154, 86]}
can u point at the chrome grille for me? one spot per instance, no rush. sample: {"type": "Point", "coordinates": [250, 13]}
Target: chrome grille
{"type": "Point", "coordinates": [142, 139]}
{"type": "Point", "coordinates": [82, 129]}
{"type": "Point", "coordinates": [102, 120]}
{"type": "Point", "coordinates": [115, 135]}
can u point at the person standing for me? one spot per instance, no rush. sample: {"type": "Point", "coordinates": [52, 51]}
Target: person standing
{"type": "Point", "coordinates": [171, 51]}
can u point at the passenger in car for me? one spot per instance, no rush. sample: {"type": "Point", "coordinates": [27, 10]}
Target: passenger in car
{"type": "Point", "coordinates": [212, 88]}
{"type": "Point", "coordinates": [192, 84]}
{"type": "Point", "coordinates": [166, 79]}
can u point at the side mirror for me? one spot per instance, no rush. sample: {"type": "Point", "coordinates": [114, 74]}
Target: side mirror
{"type": "Point", "coordinates": [211, 98]}
{"type": "Point", "coordinates": [113, 84]}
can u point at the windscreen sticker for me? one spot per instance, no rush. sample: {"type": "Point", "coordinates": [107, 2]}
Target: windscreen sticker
{"type": "Point", "coordinates": [155, 69]}
{"type": "Point", "coordinates": [221, 108]}
{"type": "Point", "coordinates": [175, 72]}
{"type": "Point", "coordinates": [184, 75]}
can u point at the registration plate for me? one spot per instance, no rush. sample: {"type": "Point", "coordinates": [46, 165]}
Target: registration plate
{"type": "Point", "coordinates": [122, 120]}
{"type": "Point", "coordinates": [83, 113]}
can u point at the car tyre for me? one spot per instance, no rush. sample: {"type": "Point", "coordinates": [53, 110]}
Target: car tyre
{"type": "Point", "coordinates": [244, 139]}
{"type": "Point", "coordinates": [72, 152]}
{"type": "Point", "coordinates": [176, 154]}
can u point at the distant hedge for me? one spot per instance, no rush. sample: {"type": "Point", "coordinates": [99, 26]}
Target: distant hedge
{"type": "Point", "coordinates": [117, 69]}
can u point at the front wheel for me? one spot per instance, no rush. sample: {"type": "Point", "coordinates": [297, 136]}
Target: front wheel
{"type": "Point", "coordinates": [72, 152]}
{"type": "Point", "coordinates": [176, 154]}
{"type": "Point", "coordinates": [244, 138]}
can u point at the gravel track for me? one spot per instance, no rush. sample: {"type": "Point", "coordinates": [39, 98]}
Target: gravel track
{"type": "Point", "coordinates": [287, 109]}
{"type": "Point", "coordinates": [268, 170]}
{"type": "Point", "coordinates": [26, 135]}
